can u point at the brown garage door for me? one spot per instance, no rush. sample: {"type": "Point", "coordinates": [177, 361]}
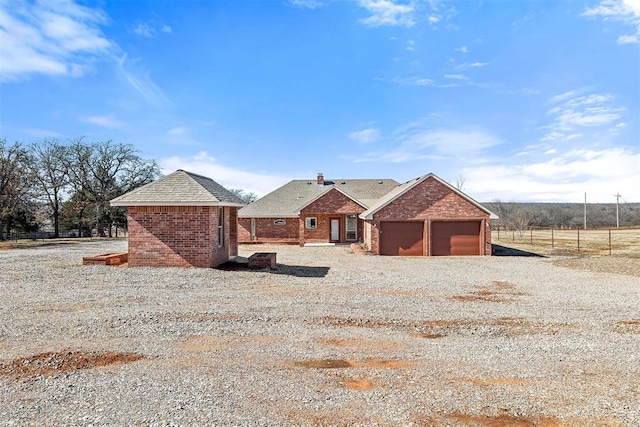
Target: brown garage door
{"type": "Point", "coordinates": [401, 238]}
{"type": "Point", "coordinates": [455, 238]}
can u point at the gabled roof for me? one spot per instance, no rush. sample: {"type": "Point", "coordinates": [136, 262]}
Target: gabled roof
{"type": "Point", "coordinates": [403, 188]}
{"type": "Point", "coordinates": [180, 188]}
{"type": "Point", "coordinates": [286, 201]}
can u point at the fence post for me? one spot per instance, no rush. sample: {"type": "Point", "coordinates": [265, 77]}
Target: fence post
{"type": "Point", "coordinates": [609, 241]}
{"type": "Point", "coordinates": [513, 235]}
{"type": "Point", "coordinates": [578, 240]}
{"type": "Point", "coordinates": [552, 243]}
{"type": "Point", "coordinates": [531, 235]}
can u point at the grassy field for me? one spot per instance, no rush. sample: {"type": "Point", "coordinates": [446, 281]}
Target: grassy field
{"type": "Point", "coordinates": [34, 243]}
{"type": "Point", "coordinates": [621, 242]}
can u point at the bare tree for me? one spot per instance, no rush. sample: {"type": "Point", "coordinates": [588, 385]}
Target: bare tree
{"type": "Point", "coordinates": [50, 173]}
{"type": "Point", "coordinates": [14, 183]}
{"type": "Point", "coordinates": [459, 182]}
{"type": "Point", "coordinates": [247, 197]}
{"type": "Point", "coordinates": [103, 171]}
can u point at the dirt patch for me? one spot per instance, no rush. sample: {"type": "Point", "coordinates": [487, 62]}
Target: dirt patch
{"type": "Point", "coordinates": [498, 291]}
{"type": "Point", "coordinates": [359, 384]}
{"type": "Point", "coordinates": [382, 345]}
{"type": "Point", "coordinates": [497, 381]}
{"type": "Point", "coordinates": [52, 363]}
{"type": "Point", "coordinates": [372, 363]}
{"type": "Point", "coordinates": [500, 420]}
{"type": "Point", "coordinates": [326, 364]}
{"type": "Point", "coordinates": [628, 327]}
{"type": "Point", "coordinates": [502, 326]}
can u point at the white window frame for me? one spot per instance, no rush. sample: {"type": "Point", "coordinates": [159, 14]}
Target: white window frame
{"type": "Point", "coordinates": [308, 223]}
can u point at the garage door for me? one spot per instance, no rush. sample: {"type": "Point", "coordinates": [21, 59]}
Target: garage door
{"type": "Point", "coordinates": [455, 238]}
{"type": "Point", "coordinates": [401, 238]}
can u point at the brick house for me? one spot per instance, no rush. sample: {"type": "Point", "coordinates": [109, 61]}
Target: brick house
{"type": "Point", "coordinates": [311, 211]}
{"type": "Point", "coordinates": [424, 216]}
{"type": "Point", "coordinates": [181, 220]}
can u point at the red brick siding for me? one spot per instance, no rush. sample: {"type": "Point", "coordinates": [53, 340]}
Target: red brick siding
{"type": "Point", "coordinates": [429, 200]}
{"type": "Point", "coordinates": [267, 231]}
{"type": "Point", "coordinates": [333, 202]}
{"type": "Point", "coordinates": [177, 236]}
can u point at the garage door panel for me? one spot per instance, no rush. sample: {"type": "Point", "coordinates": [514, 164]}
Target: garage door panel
{"type": "Point", "coordinates": [402, 238]}
{"type": "Point", "coordinates": [455, 238]}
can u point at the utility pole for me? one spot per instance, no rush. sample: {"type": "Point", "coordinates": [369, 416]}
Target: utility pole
{"type": "Point", "coordinates": [585, 210]}
{"type": "Point", "coordinates": [617, 196]}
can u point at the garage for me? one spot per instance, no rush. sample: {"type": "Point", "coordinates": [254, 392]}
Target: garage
{"type": "Point", "coordinates": [455, 238]}
{"type": "Point", "coordinates": [402, 238]}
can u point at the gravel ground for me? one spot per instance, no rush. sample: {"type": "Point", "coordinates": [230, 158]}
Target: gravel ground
{"type": "Point", "coordinates": [328, 338]}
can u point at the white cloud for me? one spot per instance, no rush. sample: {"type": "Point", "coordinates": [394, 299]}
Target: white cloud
{"type": "Point", "coordinates": [53, 38]}
{"type": "Point", "coordinates": [203, 164]}
{"type": "Point", "coordinates": [563, 178]}
{"type": "Point", "coordinates": [166, 29]}
{"type": "Point", "coordinates": [365, 136]}
{"type": "Point", "coordinates": [456, 77]}
{"type": "Point", "coordinates": [574, 110]}
{"type": "Point", "coordinates": [416, 143]}
{"type": "Point", "coordinates": [109, 121]}
{"type": "Point", "coordinates": [144, 30]}
{"type": "Point", "coordinates": [463, 49]}
{"type": "Point", "coordinates": [625, 11]}
{"type": "Point", "coordinates": [140, 81]}
{"type": "Point", "coordinates": [388, 13]}
{"type": "Point", "coordinates": [305, 4]}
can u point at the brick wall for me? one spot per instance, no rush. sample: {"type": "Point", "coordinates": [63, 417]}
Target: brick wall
{"type": "Point", "coordinates": [429, 200]}
{"type": "Point", "coordinates": [333, 202]}
{"type": "Point", "coordinates": [267, 231]}
{"type": "Point", "coordinates": [177, 236]}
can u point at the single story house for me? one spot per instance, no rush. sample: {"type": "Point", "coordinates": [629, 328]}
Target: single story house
{"type": "Point", "coordinates": [181, 220]}
{"type": "Point", "coordinates": [423, 216]}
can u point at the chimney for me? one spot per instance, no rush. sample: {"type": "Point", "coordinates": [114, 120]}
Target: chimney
{"type": "Point", "coordinates": [320, 179]}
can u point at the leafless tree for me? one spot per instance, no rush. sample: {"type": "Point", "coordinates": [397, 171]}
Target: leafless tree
{"type": "Point", "coordinates": [14, 182]}
{"type": "Point", "coordinates": [50, 174]}
{"type": "Point", "coordinates": [459, 182]}
{"type": "Point", "coordinates": [102, 171]}
{"type": "Point", "coordinates": [246, 197]}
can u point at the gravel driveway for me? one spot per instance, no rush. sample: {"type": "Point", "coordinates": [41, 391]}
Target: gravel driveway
{"type": "Point", "coordinates": [328, 338]}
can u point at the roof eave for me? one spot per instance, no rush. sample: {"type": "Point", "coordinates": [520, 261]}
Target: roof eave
{"type": "Point", "coordinates": [194, 203]}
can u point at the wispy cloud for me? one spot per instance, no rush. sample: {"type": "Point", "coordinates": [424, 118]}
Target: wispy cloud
{"type": "Point", "coordinates": [463, 49]}
{"type": "Point", "coordinates": [305, 4]}
{"type": "Point", "coordinates": [576, 109]}
{"type": "Point", "coordinates": [204, 164]}
{"type": "Point", "coordinates": [626, 11]}
{"type": "Point", "coordinates": [52, 38]}
{"type": "Point", "coordinates": [366, 136]}
{"type": "Point", "coordinates": [150, 30]}
{"type": "Point", "coordinates": [108, 121]}
{"type": "Point", "coordinates": [559, 177]}
{"type": "Point", "coordinates": [388, 13]}
{"type": "Point", "coordinates": [140, 80]}
{"type": "Point", "coordinates": [418, 143]}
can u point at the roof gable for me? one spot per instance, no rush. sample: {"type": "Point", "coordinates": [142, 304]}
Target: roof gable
{"type": "Point", "coordinates": [325, 193]}
{"type": "Point", "coordinates": [405, 187]}
{"type": "Point", "coordinates": [180, 188]}
{"type": "Point", "coordinates": [286, 201]}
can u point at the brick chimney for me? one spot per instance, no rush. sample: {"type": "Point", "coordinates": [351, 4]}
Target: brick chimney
{"type": "Point", "coordinates": [320, 179]}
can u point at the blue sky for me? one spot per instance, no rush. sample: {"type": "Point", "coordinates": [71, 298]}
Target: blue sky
{"type": "Point", "coordinates": [521, 100]}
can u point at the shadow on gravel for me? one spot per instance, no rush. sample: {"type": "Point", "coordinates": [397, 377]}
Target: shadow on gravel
{"type": "Point", "coordinates": [289, 270]}
{"type": "Point", "coordinates": [498, 250]}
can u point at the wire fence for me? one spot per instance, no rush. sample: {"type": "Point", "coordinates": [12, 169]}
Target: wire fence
{"type": "Point", "coordinates": [573, 241]}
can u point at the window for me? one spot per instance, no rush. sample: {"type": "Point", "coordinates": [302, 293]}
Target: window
{"type": "Point", "coordinates": [351, 225]}
{"type": "Point", "coordinates": [311, 222]}
{"type": "Point", "coordinates": [280, 222]}
{"type": "Point", "coordinates": [220, 227]}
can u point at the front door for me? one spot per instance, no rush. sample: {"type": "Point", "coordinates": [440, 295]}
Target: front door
{"type": "Point", "coordinates": [335, 229]}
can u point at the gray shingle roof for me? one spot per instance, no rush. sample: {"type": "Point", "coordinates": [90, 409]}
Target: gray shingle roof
{"type": "Point", "coordinates": [286, 201]}
{"type": "Point", "coordinates": [180, 188]}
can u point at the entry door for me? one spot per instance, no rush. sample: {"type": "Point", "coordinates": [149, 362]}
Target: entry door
{"type": "Point", "coordinates": [335, 229]}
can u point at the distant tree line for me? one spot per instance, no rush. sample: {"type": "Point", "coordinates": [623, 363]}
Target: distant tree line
{"type": "Point", "coordinates": [521, 216]}
{"type": "Point", "coordinates": [67, 185]}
